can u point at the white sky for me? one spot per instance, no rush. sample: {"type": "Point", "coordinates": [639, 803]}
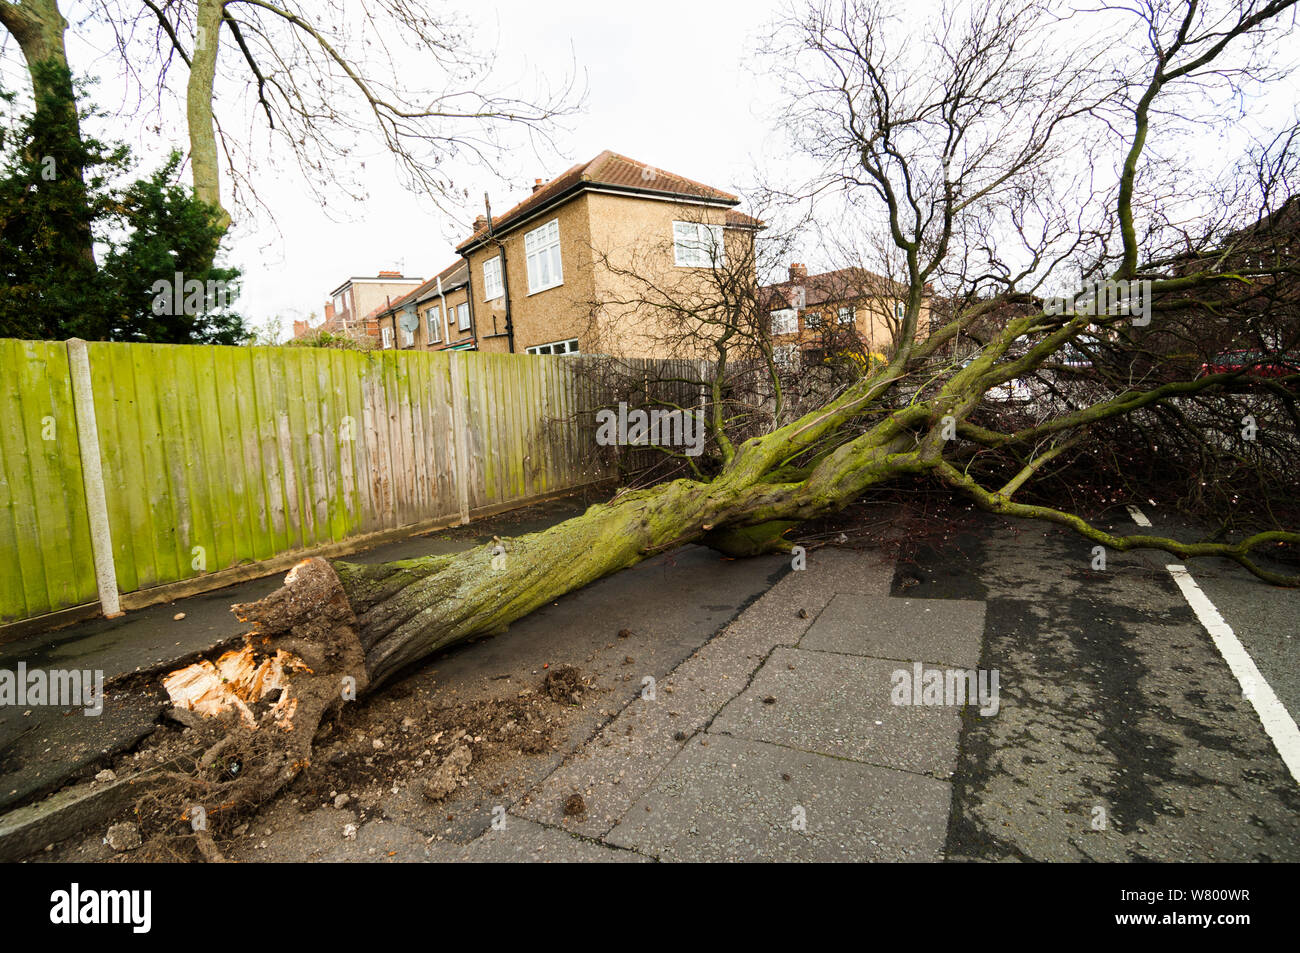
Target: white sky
{"type": "Point", "coordinates": [667, 83]}
{"type": "Point", "coordinates": [668, 88]}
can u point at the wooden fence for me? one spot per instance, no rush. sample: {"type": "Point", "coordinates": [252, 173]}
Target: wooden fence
{"type": "Point", "coordinates": [158, 463]}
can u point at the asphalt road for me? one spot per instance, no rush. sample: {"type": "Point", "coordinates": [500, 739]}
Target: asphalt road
{"type": "Point", "coordinates": [1123, 733]}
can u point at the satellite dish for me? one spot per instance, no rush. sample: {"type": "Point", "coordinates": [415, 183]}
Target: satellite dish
{"type": "Point", "coordinates": [410, 320]}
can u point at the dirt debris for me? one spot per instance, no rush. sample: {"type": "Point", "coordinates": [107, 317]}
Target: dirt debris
{"type": "Point", "coordinates": [565, 685]}
{"type": "Point", "coordinates": [449, 774]}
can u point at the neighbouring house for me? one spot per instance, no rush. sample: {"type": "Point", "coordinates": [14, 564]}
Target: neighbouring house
{"type": "Point", "coordinates": [354, 306]}
{"type": "Point", "coordinates": [850, 309]}
{"type": "Point", "coordinates": [565, 270]}
{"type": "Point", "coordinates": [435, 315]}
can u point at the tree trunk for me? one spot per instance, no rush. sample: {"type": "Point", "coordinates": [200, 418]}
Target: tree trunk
{"type": "Point", "coordinates": [199, 110]}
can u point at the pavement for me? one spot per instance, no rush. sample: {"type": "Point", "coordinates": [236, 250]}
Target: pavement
{"type": "Point", "coordinates": [758, 712]}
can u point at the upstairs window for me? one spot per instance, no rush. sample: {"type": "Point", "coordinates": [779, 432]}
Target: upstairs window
{"type": "Point", "coordinates": [433, 320]}
{"type": "Point", "coordinates": [386, 337]}
{"type": "Point", "coordinates": [696, 245]}
{"type": "Point", "coordinates": [846, 315]}
{"type": "Point", "coordinates": [462, 316]}
{"type": "Point", "coordinates": [785, 321]}
{"type": "Point", "coordinates": [542, 254]}
{"type": "Point", "coordinates": [492, 285]}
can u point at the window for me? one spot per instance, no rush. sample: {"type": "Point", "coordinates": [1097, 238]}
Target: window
{"type": "Point", "coordinates": [785, 321]}
{"type": "Point", "coordinates": [899, 308]}
{"type": "Point", "coordinates": [813, 321]}
{"type": "Point", "coordinates": [408, 338]}
{"type": "Point", "coordinates": [556, 347]}
{"type": "Point", "coordinates": [697, 245]}
{"type": "Point", "coordinates": [433, 319]}
{"type": "Point", "coordinates": [338, 304]}
{"type": "Point", "coordinates": [542, 252]}
{"type": "Point", "coordinates": [492, 286]}
{"type": "Point", "coordinates": [786, 356]}
{"type": "Point", "coordinates": [462, 316]}
{"type": "Point", "coordinates": [386, 335]}
{"type": "Point", "coordinates": [846, 315]}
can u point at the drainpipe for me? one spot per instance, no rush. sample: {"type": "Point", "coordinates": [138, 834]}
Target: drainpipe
{"type": "Point", "coordinates": [446, 323]}
{"type": "Point", "coordinates": [505, 274]}
{"type": "Point", "coordinates": [469, 299]}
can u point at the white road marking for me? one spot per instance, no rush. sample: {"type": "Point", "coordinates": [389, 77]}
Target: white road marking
{"type": "Point", "coordinates": [1277, 721]}
{"type": "Point", "coordinates": [1138, 516]}
{"type": "Point", "coordinates": [1273, 715]}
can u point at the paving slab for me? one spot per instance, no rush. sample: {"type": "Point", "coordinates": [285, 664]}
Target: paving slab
{"type": "Point", "coordinates": [522, 841]}
{"type": "Point", "coordinates": [948, 631]}
{"type": "Point", "coordinates": [840, 705]}
{"type": "Point", "coordinates": [727, 799]}
{"type": "Point", "coordinates": [621, 763]}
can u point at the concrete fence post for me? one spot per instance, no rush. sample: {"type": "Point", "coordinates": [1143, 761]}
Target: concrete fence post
{"type": "Point", "coordinates": [92, 476]}
{"type": "Point", "coordinates": [460, 430]}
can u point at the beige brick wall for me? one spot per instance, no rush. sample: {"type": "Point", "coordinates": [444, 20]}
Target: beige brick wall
{"type": "Point", "coordinates": [635, 236]}
{"type": "Point", "coordinates": [556, 314]}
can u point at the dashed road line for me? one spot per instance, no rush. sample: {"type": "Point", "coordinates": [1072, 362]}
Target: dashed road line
{"type": "Point", "coordinates": [1138, 516]}
{"type": "Point", "coordinates": [1273, 715]}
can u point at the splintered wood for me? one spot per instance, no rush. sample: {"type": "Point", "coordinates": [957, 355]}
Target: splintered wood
{"type": "Point", "coordinates": [237, 681]}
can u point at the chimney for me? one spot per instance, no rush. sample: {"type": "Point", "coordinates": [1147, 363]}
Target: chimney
{"type": "Point", "coordinates": [798, 271]}
{"type": "Point", "coordinates": [537, 184]}
{"type": "Point", "coordinates": [390, 274]}
{"type": "Point", "coordinates": [300, 329]}
{"type": "Point", "coordinates": [329, 310]}
{"type": "Point", "coordinates": [480, 223]}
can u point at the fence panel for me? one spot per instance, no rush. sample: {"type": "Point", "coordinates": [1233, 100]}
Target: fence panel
{"type": "Point", "coordinates": [219, 457]}
{"type": "Point", "coordinates": [45, 554]}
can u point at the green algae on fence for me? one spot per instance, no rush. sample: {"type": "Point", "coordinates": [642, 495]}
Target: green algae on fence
{"type": "Point", "coordinates": [217, 457]}
{"type": "Point", "coordinates": [45, 555]}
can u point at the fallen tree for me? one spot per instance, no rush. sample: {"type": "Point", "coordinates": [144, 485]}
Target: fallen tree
{"type": "Point", "coordinates": [336, 631]}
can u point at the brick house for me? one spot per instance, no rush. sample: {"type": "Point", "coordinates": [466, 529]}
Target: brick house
{"type": "Point", "coordinates": [354, 306]}
{"type": "Point", "coordinates": [552, 274]}
{"type": "Point", "coordinates": [851, 308]}
{"type": "Point", "coordinates": [434, 316]}
{"type": "Point", "coordinates": [545, 271]}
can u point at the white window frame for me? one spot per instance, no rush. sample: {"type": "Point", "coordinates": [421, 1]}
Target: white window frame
{"type": "Point", "coordinates": [542, 257]}
{"type": "Point", "coordinates": [493, 286]}
{"type": "Point", "coordinates": [569, 346]}
{"type": "Point", "coordinates": [846, 316]}
{"type": "Point", "coordinates": [698, 245]}
{"type": "Point", "coordinates": [386, 337]}
{"type": "Point", "coordinates": [462, 316]}
{"type": "Point", "coordinates": [408, 338]}
{"type": "Point", "coordinates": [433, 324]}
{"type": "Point", "coordinates": [785, 321]}
{"type": "Point", "coordinates": [899, 310]}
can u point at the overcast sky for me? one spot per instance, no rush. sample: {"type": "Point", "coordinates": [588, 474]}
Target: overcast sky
{"type": "Point", "coordinates": [673, 84]}
{"type": "Point", "coordinates": [669, 89]}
